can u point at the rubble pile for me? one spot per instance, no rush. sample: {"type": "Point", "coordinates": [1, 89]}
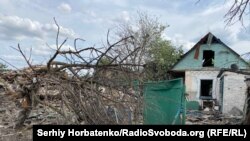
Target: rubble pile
{"type": "Point", "coordinates": [34, 96]}
{"type": "Point", "coordinates": [11, 105]}
{"type": "Point", "coordinates": [194, 117]}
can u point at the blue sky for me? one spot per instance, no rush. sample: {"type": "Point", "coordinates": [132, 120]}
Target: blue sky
{"type": "Point", "coordinates": [30, 23]}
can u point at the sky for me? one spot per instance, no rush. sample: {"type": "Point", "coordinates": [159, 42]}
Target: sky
{"type": "Point", "coordinates": [30, 23]}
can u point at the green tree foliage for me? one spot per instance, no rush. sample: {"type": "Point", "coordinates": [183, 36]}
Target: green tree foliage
{"type": "Point", "coordinates": [160, 54]}
{"type": "Point", "coordinates": [3, 67]}
{"type": "Point", "coordinates": [105, 61]}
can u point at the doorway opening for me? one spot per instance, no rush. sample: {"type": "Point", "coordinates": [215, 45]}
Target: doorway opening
{"type": "Point", "coordinates": [206, 89]}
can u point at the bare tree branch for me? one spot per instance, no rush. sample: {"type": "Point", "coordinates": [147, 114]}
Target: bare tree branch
{"type": "Point", "coordinates": [24, 56]}
{"type": "Point", "coordinates": [88, 90]}
{"type": "Point", "coordinates": [237, 12]}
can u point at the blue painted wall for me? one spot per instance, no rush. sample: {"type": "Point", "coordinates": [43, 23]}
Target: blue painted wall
{"type": "Point", "coordinates": [223, 58]}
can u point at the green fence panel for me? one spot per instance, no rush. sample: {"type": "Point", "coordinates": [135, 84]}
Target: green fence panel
{"type": "Point", "coordinates": [164, 102]}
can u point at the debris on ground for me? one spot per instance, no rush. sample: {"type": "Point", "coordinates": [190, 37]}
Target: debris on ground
{"type": "Point", "coordinates": [9, 112]}
{"type": "Point", "coordinates": [235, 112]}
{"type": "Point", "coordinates": [195, 117]}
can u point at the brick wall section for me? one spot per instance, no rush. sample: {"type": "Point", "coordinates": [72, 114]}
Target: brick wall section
{"type": "Point", "coordinates": [234, 91]}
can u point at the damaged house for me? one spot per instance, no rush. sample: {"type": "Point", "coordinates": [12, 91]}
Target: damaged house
{"type": "Point", "coordinates": [201, 69]}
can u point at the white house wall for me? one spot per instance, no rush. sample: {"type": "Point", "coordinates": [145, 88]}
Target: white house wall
{"type": "Point", "coordinates": [192, 82]}
{"type": "Point", "coordinates": [234, 91]}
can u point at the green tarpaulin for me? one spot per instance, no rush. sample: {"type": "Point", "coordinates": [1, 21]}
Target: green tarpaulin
{"type": "Point", "coordinates": [164, 102]}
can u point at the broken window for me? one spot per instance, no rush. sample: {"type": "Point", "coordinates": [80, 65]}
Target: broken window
{"type": "Point", "coordinates": [206, 89]}
{"type": "Point", "coordinates": [208, 58]}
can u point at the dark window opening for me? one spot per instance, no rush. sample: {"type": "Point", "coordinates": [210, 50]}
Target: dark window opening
{"type": "Point", "coordinates": [208, 58]}
{"type": "Point", "coordinates": [206, 89]}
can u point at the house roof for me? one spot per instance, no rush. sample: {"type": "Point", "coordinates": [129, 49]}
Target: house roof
{"type": "Point", "coordinates": [204, 40]}
{"type": "Point", "coordinates": [244, 72]}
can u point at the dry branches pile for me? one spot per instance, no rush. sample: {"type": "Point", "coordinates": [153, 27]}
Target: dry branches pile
{"type": "Point", "coordinates": [89, 85]}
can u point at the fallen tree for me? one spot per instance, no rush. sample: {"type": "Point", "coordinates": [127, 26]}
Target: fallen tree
{"type": "Point", "coordinates": [88, 89]}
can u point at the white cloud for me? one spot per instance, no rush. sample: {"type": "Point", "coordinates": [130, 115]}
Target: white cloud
{"type": "Point", "coordinates": [90, 13]}
{"type": "Point", "coordinates": [92, 20]}
{"type": "Point", "coordinates": [40, 54]}
{"type": "Point", "coordinates": [241, 47]}
{"type": "Point", "coordinates": [41, 49]}
{"type": "Point", "coordinates": [125, 16]}
{"type": "Point", "coordinates": [122, 16]}
{"type": "Point", "coordinates": [64, 47]}
{"type": "Point", "coordinates": [15, 60]}
{"type": "Point", "coordinates": [91, 17]}
{"type": "Point", "coordinates": [17, 28]}
{"type": "Point", "coordinates": [64, 7]}
{"type": "Point", "coordinates": [120, 3]}
{"type": "Point", "coordinates": [244, 33]}
{"type": "Point", "coordinates": [12, 57]}
{"type": "Point", "coordinates": [178, 40]}
{"type": "Point", "coordinates": [188, 28]}
{"type": "Point", "coordinates": [216, 9]}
